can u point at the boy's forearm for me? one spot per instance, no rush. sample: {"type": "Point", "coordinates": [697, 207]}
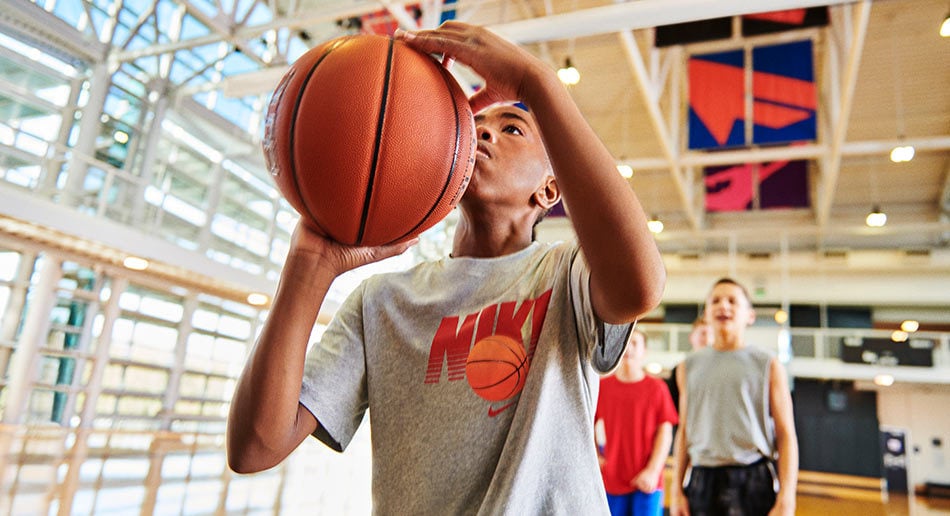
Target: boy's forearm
{"type": "Point", "coordinates": [679, 461]}
{"type": "Point", "coordinates": [263, 423]}
{"type": "Point", "coordinates": [787, 464]}
{"type": "Point", "coordinates": [662, 441]}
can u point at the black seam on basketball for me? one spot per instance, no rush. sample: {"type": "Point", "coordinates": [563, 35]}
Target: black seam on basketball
{"type": "Point", "coordinates": [515, 371]}
{"type": "Point", "coordinates": [377, 143]}
{"type": "Point", "coordinates": [293, 125]}
{"type": "Point", "coordinates": [455, 158]}
{"type": "Point", "coordinates": [513, 348]}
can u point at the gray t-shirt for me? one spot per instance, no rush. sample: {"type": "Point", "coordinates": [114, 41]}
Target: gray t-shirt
{"type": "Point", "coordinates": [399, 345]}
{"type": "Point", "coordinates": [728, 418]}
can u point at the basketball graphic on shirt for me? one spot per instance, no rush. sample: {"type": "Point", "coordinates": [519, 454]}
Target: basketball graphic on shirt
{"type": "Point", "coordinates": [497, 367]}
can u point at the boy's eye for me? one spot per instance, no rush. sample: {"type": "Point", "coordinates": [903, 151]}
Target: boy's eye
{"type": "Point", "coordinates": [513, 129]}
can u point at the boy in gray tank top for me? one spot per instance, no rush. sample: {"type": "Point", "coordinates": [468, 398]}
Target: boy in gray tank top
{"type": "Point", "coordinates": [398, 346]}
{"type": "Point", "coordinates": [735, 420]}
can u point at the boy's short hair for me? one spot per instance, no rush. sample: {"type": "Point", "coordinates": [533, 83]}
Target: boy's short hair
{"type": "Point", "coordinates": [729, 281]}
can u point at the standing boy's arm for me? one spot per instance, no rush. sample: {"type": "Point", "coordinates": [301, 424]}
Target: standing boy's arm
{"type": "Point", "coordinates": [678, 503]}
{"type": "Point", "coordinates": [647, 479]}
{"type": "Point", "coordinates": [627, 273]}
{"type": "Point", "coordinates": [266, 421]}
{"type": "Point", "coordinates": [786, 440]}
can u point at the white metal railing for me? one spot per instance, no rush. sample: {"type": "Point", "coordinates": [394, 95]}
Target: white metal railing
{"type": "Point", "coordinates": [667, 345]}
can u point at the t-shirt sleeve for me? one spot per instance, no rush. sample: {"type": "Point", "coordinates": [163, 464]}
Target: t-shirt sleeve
{"type": "Point", "coordinates": [607, 341]}
{"type": "Point", "coordinates": [334, 382]}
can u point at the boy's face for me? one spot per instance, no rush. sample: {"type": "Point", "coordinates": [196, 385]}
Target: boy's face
{"type": "Point", "coordinates": [510, 160]}
{"type": "Point", "coordinates": [701, 336]}
{"type": "Point", "coordinates": [728, 309]}
{"type": "Point", "coordinates": [636, 350]}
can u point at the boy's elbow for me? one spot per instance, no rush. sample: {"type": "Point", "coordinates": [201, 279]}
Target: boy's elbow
{"type": "Point", "coordinates": [248, 455]}
{"type": "Point", "coordinates": [651, 293]}
{"type": "Point", "coordinates": [245, 462]}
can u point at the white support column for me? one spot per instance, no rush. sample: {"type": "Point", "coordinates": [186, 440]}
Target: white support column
{"type": "Point", "coordinates": [161, 444]}
{"type": "Point", "coordinates": [85, 146]}
{"type": "Point", "coordinates": [11, 317]}
{"type": "Point", "coordinates": [651, 99]}
{"type": "Point", "coordinates": [53, 165]}
{"type": "Point", "coordinates": [675, 59]}
{"type": "Point", "coordinates": [80, 449]}
{"type": "Point", "coordinates": [785, 336]}
{"type": "Point", "coordinates": [32, 339]}
{"type": "Point", "coordinates": [733, 255]}
{"type": "Point", "coordinates": [214, 199]}
{"type": "Point", "coordinates": [147, 166]}
{"type": "Point", "coordinates": [85, 344]}
{"type": "Point", "coordinates": [831, 167]}
{"type": "Point", "coordinates": [26, 356]}
{"type": "Point", "coordinates": [189, 305]}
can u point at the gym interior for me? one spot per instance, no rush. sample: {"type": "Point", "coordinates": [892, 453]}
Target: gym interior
{"type": "Point", "coordinates": [802, 148]}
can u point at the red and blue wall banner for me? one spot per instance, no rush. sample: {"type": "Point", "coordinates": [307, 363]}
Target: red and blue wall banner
{"type": "Point", "coordinates": [784, 95]}
{"type": "Point", "coordinates": [783, 90]}
{"type": "Point", "coordinates": [716, 100]}
{"type": "Point", "coordinates": [775, 185]}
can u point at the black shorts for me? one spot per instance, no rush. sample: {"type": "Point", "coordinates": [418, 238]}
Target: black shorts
{"type": "Point", "coordinates": [732, 490]}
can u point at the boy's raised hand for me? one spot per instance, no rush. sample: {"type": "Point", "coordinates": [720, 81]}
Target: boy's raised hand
{"type": "Point", "coordinates": [506, 67]}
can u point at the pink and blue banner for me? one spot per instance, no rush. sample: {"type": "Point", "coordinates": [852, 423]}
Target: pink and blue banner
{"type": "Point", "coordinates": [775, 185]}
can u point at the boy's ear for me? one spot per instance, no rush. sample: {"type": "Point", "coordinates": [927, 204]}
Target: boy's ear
{"type": "Point", "coordinates": [751, 316]}
{"type": "Point", "coordinates": [548, 194]}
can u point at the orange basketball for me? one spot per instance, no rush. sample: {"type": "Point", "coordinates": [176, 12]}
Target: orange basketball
{"type": "Point", "coordinates": [497, 367]}
{"type": "Point", "coordinates": [369, 140]}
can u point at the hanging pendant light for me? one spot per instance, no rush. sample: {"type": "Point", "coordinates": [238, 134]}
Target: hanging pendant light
{"type": "Point", "coordinates": [876, 218]}
{"type": "Point", "coordinates": [568, 74]}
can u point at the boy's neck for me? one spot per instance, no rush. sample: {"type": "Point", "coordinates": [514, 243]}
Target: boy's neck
{"type": "Point", "coordinates": [490, 238]}
{"type": "Point", "coordinates": [630, 374]}
{"type": "Point", "coordinates": [728, 341]}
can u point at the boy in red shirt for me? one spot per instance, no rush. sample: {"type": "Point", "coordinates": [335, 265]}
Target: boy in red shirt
{"type": "Point", "coordinates": [638, 415]}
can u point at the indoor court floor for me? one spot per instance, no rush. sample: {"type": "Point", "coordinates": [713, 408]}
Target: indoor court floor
{"type": "Point", "coordinates": [810, 505]}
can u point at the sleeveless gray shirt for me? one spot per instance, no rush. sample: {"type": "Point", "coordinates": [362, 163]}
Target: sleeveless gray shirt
{"type": "Point", "coordinates": [728, 416]}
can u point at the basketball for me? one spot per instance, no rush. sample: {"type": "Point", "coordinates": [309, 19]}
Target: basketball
{"type": "Point", "coordinates": [369, 140]}
{"type": "Point", "coordinates": [497, 367]}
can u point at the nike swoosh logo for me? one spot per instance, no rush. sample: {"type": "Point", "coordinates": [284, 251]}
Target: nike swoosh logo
{"type": "Point", "coordinates": [492, 411]}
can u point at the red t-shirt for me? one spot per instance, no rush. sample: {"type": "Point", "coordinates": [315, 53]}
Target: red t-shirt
{"type": "Point", "coordinates": [631, 412]}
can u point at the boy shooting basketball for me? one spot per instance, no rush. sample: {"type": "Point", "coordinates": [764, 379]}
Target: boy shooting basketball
{"type": "Point", "coordinates": [399, 343]}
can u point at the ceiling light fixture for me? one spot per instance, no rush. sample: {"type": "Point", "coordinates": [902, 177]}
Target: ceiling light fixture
{"type": "Point", "coordinates": [257, 299]}
{"type": "Point", "coordinates": [945, 26]}
{"type": "Point", "coordinates": [899, 336]}
{"type": "Point", "coordinates": [625, 170]}
{"type": "Point", "coordinates": [902, 153]}
{"type": "Point", "coordinates": [884, 380]}
{"type": "Point", "coordinates": [876, 218]}
{"type": "Point", "coordinates": [910, 326]}
{"type": "Point", "coordinates": [568, 74]}
{"type": "Point", "coordinates": [781, 316]}
{"type": "Point", "coordinates": [655, 225]}
{"type": "Point", "coordinates": [135, 263]}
